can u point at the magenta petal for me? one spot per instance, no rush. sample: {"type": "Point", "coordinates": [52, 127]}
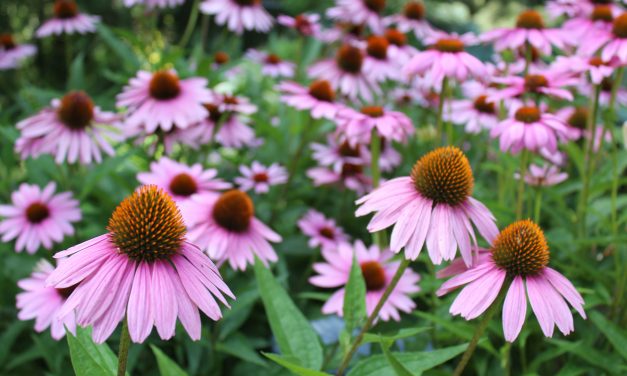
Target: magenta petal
{"type": "Point", "coordinates": [514, 309]}
{"type": "Point", "coordinates": [540, 307]}
{"type": "Point", "coordinates": [163, 299]}
{"type": "Point", "coordinates": [139, 312]}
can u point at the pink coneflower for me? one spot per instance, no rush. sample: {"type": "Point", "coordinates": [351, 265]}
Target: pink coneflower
{"type": "Point", "coordinates": [271, 64]}
{"type": "Point", "coordinates": [72, 129]}
{"type": "Point", "coordinates": [378, 63]}
{"type": "Point", "coordinates": [259, 177]}
{"type": "Point", "coordinates": [566, 8]}
{"type": "Point", "coordinates": [239, 15]}
{"type": "Point", "coordinates": [577, 65]}
{"type": "Point", "coordinates": [389, 158]}
{"type": "Point", "coordinates": [399, 50]}
{"type": "Point", "coordinates": [227, 119]}
{"type": "Point", "coordinates": [43, 303]}
{"type": "Point", "coordinates": [599, 19]}
{"type": "Point", "coordinates": [161, 100]}
{"type": "Point", "coordinates": [577, 120]}
{"type": "Point", "coordinates": [413, 19]}
{"type": "Point", "coordinates": [226, 228]}
{"type": "Point", "coordinates": [344, 32]}
{"type": "Point", "coordinates": [38, 217]}
{"type": "Point", "coordinates": [377, 270]}
{"type": "Point", "coordinates": [357, 12]}
{"type": "Point", "coordinates": [67, 19]}
{"type": "Point", "coordinates": [476, 112]}
{"type": "Point", "coordinates": [346, 74]}
{"type": "Point", "coordinates": [350, 176]}
{"type": "Point", "coordinates": [323, 232]}
{"type": "Point", "coordinates": [446, 58]}
{"type": "Point", "coordinates": [335, 153]}
{"type": "Point", "coordinates": [142, 268]}
{"type": "Point", "coordinates": [519, 254]}
{"type": "Point", "coordinates": [433, 205]}
{"type": "Point", "coordinates": [12, 54]}
{"type": "Point", "coordinates": [357, 126]}
{"type": "Point", "coordinates": [319, 98]}
{"type": "Point", "coordinates": [305, 24]}
{"type": "Point", "coordinates": [611, 43]}
{"type": "Point", "coordinates": [543, 176]}
{"type": "Point", "coordinates": [529, 29]}
{"type": "Point", "coordinates": [151, 4]}
{"type": "Point", "coordinates": [549, 83]}
{"type": "Point", "coordinates": [607, 84]}
{"type": "Point", "coordinates": [180, 180]}
{"type": "Point", "coordinates": [530, 128]}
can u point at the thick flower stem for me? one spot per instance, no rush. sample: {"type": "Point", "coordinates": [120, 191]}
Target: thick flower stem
{"type": "Point", "coordinates": [438, 121]}
{"type": "Point", "coordinates": [191, 24]}
{"type": "Point", "coordinates": [521, 184]}
{"type": "Point", "coordinates": [386, 294]}
{"type": "Point", "coordinates": [125, 343]}
{"type": "Point", "coordinates": [481, 327]}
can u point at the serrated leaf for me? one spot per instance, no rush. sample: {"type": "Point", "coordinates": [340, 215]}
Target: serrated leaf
{"type": "Point", "coordinates": [294, 335]}
{"type": "Point", "coordinates": [295, 368]}
{"type": "Point", "coordinates": [614, 334]}
{"type": "Point", "coordinates": [354, 298]}
{"type": "Point", "coordinates": [88, 358]}
{"type": "Point", "coordinates": [377, 365]}
{"type": "Point", "coordinates": [167, 366]}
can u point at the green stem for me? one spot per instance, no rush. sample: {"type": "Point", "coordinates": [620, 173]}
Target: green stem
{"type": "Point", "coordinates": [537, 207]}
{"type": "Point", "coordinates": [68, 54]}
{"type": "Point", "coordinates": [191, 23]}
{"type": "Point", "coordinates": [360, 337]}
{"type": "Point", "coordinates": [521, 184]}
{"type": "Point", "coordinates": [609, 125]}
{"type": "Point", "coordinates": [375, 153]}
{"type": "Point", "coordinates": [125, 343]}
{"type": "Point", "coordinates": [438, 120]}
{"type": "Point", "coordinates": [481, 327]}
{"type": "Point", "coordinates": [528, 57]}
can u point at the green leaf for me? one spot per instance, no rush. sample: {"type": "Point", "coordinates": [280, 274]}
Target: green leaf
{"type": "Point", "coordinates": [301, 371]}
{"type": "Point", "coordinates": [167, 366]}
{"type": "Point", "coordinates": [354, 298]}
{"type": "Point", "coordinates": [124, 52]}
{"type": "Point", "coordinates": [402, 333]}
{"type": "Point", "coordinates": [614, 334]}
{"type": "Point", "coordinates": [590, 355]}
{"type": "Point", "coordinates": [293, 333]}
{"type": "Point", "coordinates": [398, 367]}
{"type": "Point", "coordinates": [76, 80]}
{"type": "Point", "coordinates": [88, 358]}
{"type": "Point", "coordinates": [8, 338]}
{"type": "Point", "coordinates": [377, 365]}
{"type": "Point", "coordinates": [239, 346]}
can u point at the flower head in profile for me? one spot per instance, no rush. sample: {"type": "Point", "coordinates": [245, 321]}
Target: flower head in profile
{"type": "Point", "coordinates": [379, 64]}
{"type": "Point", "coordinates": [142, 268]}
{"type": "Point", "coordinates": [318, 98]}
{"type": "Point", "coordinates": [161, 100]}
{"type": "Point", "coordinates": [547, 83]}
{"type": "Point", "coordinates": [336, 153]}
{"type": "Point", "coordinates": [180, 180]}
{"type": "Point", "coordinates": [611, 43]}
{"type": "Point", "coordinates": [475, 111]}
{"type": "Point", "coordinates": [323, 232]}
{"type": "Point", "coordinates": [239, 15]}
{"type": "Point", "coordinates": [377, 269]}
{"type": "Point", "coordinates": [576, 118]}
{"type": "Point", "coordinates": [529, 29]}
{"type": "Point", "coordinates": [43, 303]}
{"type": "Point", "coordinates": [599, 18]}
{"type": "Point", "coordinates": [399, 49]}
{"type": "Point", "coordinates": [595, 67]}
{"type": "Point", "coordinates": [543, 176]}
{"type": "Point", "coordinates": [228, 119]}
{"type": "Point", "coordinates": [446, 57]}
{"type": "Point", "coordinates": [519, 255]}
{"type": "Point", "coordinates": [357, 126]}
{"type": "Point", "coordinates": [306, 24]}
{"type": "Point", "coordinates": [271, 64]}
{"type": "Point", "coordinates": [412, 19]}
{"type": "Point", "coordinates": [12, 53]}
{"type": "Point", "coordinates": [432, 206]}
{"type": "Point", "coordinates": [38, 217]}
{"type": "Point", "coordinates": [260, 178]}
{"type": "Point", "coordinates": [151, 4]}
{"type": "Point", "coordinates": [367, 12]}
{"type": "Point", "coordinates": [67, 20]}
{"type": "Point", "coordinates": [73, 129]}
{"type": "Point", "coordinates": [529, 128]}
{"type": "Point", "coordinates": [348, 175]}
{"type": "Point", "coordinates": [224, 225]}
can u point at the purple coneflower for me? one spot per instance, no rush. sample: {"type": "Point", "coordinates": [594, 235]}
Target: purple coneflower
{"type": "Point", "coordinates": [357, 126]}
{"type": "Point", "coordinates": [239, 15]}
{"type": "Point", "coordinates": [323, 232]}
{"type": "Point", "coordinates": [67, 19]}
{"type": "Point", "coordinates": [367, 12]}
{"type": "Point", "coordinates": [549, 83]}
{"type": "Point", "coordinates": [611, 43]}
{"type": "Point", "coordinates": [475, 111]}
{"type": "Point", "coordinates": [151, 4]}
{"type": "Point", "coordinates": [305, 24]}
{"type": "Point", "coordinates": [260, 178]}
{"type": "Point", "coordinates": [543, 176]}
{"type": "Point", "coordinates": [378, 62]}
{"type": "Point", "coordinates": [12, 54]}
{"type": "Point", "coordinates": [318, 98]}
{"type": "Point", "coordinates": [412, 19]}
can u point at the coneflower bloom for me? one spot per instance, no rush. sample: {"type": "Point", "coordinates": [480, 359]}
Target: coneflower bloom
{"type": "Point", "coordinates": [413, 19]}
{"type": "Point", "coordinates": [323, 232]}
{"type": "Point", "coordinates": [72, 129]}
{"type": "Point", "coordinates": [529, 128]}
{"type": "Point", "coordinates": [377, 269]}
{"type": "Point", "coordinates": [432, 206]}
{"type": "Point", "coordinates": [151, 4]}
{"type": "Point", "coordinates": [260, 178]}
{"type": "Point", "coordinates": [543, 176]}
{"type": "Point", "coordinates": [611, 43]}
{"type": "Point", "coordinates": [577, 65]}
{"type": "Point", "coordinates": [271, 64]}
{"type": "Point", "coordinates": [529, 29]}
{"type": "Point", "coordinates": [576, 118]}
{"type": "Point", "coordinates": [318, 98]}
{"type": "Point", "coordinates": [519, 254]}
{"type": "Point", "coordinates": [228, 120]}
{"type": "Point", "coordinates": [349, 175]}
{"type": "Point", "coordinates": [305, 24]}
{"type": "Point", "coordinates": [607, 84]}
{"type": "Point", "coordinates": [600, 18]}
{"type": "Point", "coordinates": [378, 63]}
{"type": "Point", "coordinates": [549, 83]}
{"type": "Point", "coordinates": [336, 153]}
{"type": "Point", "coordinates": [566, 8]}
{"type": "Point", "coordinates": [142, 268]}
{"type": "Point", "coordinates": [67, 19]}
{"type": "Point", "coordinates": [399, 50]}
{"type": "Point", "coordinates": [367, 12]}
{"type": "Point", "coordinates": [43, 303]}
{"type": "Point", "coordinates": [12, 54]}
{"type": "Point", "coordinates": [239, 15]}
{"type": "Point", "coordinates": [161, 100]}
{"type": "Point", "coordinates": [346, 74]}
{"type": "Point", "coordinates": [389, 158]}
{"type": "Point", "coordinates": [476, 112]}
{"type": "Point", "coordinates": [180, 180]}
{"type": "Point", "coordinates": [357, 126]}
{"type": "Point", "coordinates": [344, 32]}
{"type": "Point", "coordinates": [38, 217]}
{"type": "Point", "coordinates": [446, 58]}
{"type": "Point", "coordinates": [226, 228]}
